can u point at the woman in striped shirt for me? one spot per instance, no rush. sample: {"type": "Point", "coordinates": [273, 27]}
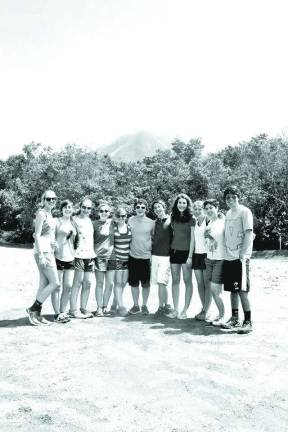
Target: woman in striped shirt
{"type": "Point", "coordinates": [122, 239]}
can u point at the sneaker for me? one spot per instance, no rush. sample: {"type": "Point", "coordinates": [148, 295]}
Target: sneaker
{"type": "Point", "coordinates": [159, 313]}
{"type": "Point", "coordinates": [232, 323]}
{"type": "Point", "coordinates": [173, 314]}
{"type": "Point", "coordinates": [167, 309]}
{"type": "Point", "coordinates": [246, 327]}
{"type": "Point", "coordinates": [201, 316]}
{"type": "Point", "coordinates": [122, 311]}
{"type": "Point", "coordinates": [43, 320]}
{"type": "Point", "coordinates": [144, 310]}
{"type": "Point", "coordinates": [210, 320]}
{"type": "Point", "coordinates": [134, 310]}
{"type": "Point", "coordinates": [87, 313]}
{"type": "Point", "coordinates": [98, 312]}
{"type": "Point", "coordinates": [61, 318]}
{"type": "Point", "coordinates": [33, 317]}
{"type": "Point", "coordinates": [76, 315]}
{"type": "Point", "coordinates": [113, 309]}
{"type": "Point", "coordinates": [218, 322]}
{"type": "Point", "coordinates": [105, 310]}
{"type": "Point", "coordinates": [182, 315]}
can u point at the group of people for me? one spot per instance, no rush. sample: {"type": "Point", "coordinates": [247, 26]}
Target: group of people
{"type": "Point", "coordinates": [72, 249]}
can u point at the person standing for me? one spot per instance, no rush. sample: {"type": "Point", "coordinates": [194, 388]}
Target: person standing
{"type": "Point", "coordinates": [181, 252]}
{"type": "Point", "coordinates": [44, 246]}
{"type": "Point", "coordinates": [84, 261]}
{"type": "Point", "coordinates": [239, 244]}
{"type": "Point", "coordinates": [142, 229]}
{"type": "Point", "coordinates": [105, 258]}
{"type": "Point", "coordinates": [199, 257]}
{"type": "Point", "coordinates": [214, 238]}
{"type": "Point", "coordinates": [160, 262]}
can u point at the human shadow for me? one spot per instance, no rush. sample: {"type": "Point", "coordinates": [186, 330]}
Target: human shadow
{"type": "Point", "coordinates": [175, 327]}
{"type": "Point", "coordinates": [20, 322]}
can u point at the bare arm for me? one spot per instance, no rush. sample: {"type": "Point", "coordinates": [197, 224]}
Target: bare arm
{"type": "Point", "coordinates": [192, 246]}
{"type": "Point", "coordinates": [247, 240]}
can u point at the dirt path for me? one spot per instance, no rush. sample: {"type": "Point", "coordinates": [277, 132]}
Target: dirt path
{"type": "Point", "coordinates": [138, 374]}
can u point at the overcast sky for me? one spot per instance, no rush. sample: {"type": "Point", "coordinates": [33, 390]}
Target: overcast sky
{"type": "Point", "coordinates": [88, 71]}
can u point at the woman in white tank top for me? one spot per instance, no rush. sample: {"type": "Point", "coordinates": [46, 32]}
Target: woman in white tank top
{"type": "Point", "coordinates": [198, 263]}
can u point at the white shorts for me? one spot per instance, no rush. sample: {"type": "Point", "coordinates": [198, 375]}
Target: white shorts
{"type": "Point", "coordinates": [160, 269]}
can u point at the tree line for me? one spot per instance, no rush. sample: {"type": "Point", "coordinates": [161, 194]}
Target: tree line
{"type": "Point", "coordinates": [259, 167]}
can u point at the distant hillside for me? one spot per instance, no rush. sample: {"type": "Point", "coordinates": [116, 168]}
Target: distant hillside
{"type": "Point", "coordinates": [135, 147]}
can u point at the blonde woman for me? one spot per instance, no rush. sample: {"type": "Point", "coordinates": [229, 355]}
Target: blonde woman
{"type": "Point", "coordinates": [44, 246]}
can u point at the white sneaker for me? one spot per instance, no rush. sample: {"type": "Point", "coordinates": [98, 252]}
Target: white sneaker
{"type": "Point", "coordinates": [77, 315]}
{"type": "Point", "coordinates": [218, 322]}
{"type": "Point", "coordinates": [173, 314]}
{"type": "Point", "coordinates": [182, 315]}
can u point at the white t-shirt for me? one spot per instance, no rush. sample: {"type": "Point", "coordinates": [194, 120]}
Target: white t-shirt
{"type": "Point", "coordinates": [236, 223]}
{"type": "Point", "coordinates": [215, 246]}
{"type": "Point", "coordinates": [200, 246]}
{"type": "Point", "coordinates": [85, 231]}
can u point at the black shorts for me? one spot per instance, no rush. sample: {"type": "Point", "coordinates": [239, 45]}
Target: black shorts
{"type": "Point", "coordinates": [198, 262]}
{"type": "Point", "coordinates": [65, 265]}
{"type": "Point", "coordinates": [139, 272]}
{"type": "Point", "coordinates": [85, 264]}
{"type": "Point", "coordinates": [178, 256]}
{"type": "Point", "coordinates": [236, 276]}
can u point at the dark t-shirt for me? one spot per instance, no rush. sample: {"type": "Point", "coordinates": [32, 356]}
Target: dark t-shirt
{"type": "Point", "coordinates": [162, 237]}
{"type": "Point", "coordinates": [182, 234]}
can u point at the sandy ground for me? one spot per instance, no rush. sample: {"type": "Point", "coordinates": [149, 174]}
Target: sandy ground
{"type": "Point", "coordinates": [138, 374]}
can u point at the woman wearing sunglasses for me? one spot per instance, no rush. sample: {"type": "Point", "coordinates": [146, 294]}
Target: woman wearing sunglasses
{"type": "Point", "coordinates": [84, 261]}
{"type": "Point", "coordinates": [122, 239]}
{"type": "Point", "coordinates": [64, 254]}
{"type": "Point", "coordinates": [105, 258]}
{"type": "Point", "coordinates": [44, 246]}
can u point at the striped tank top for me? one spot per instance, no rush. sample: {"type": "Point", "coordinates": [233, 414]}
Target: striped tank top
{"type": "Point", "coordinates": [122, 243]}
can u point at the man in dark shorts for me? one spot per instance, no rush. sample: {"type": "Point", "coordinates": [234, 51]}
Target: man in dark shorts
{"type": "Point", "coordinates": [239, 244]}
{"type": "Point", "coordinates": [142, 229]}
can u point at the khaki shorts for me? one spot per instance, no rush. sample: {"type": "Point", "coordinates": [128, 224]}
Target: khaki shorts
{"type": "Point", "coordinates": [160, 270]}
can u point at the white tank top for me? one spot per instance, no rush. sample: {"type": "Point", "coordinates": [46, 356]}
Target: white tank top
{"type": "Point", "coordinates": [200, 246]}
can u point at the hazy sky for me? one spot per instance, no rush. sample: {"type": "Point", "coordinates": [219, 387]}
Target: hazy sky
{"type": "Point", "coordinates": [88, 71]}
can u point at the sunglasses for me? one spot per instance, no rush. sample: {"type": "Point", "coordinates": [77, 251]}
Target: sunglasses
{"type": "Point", "coordinates": [86, 208]}
{"type": "Point", "coordinates": [231, 197]}
{"type": "Point", "coordinates": [50, 199]}
{"type": "Point", "coordinates": [103, 211]}
{"type": "Point", "coordinates": [121, 216]}
{"type": "Point", "coordinates": [142, 207]}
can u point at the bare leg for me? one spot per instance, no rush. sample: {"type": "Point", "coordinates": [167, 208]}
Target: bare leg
{"type": "Point", "coordinates": [216, 290]}
{"type": "Point", "coordinates": [201, 286]}
{"type": "Point", "coordinates": [109, 281]}
{"type": "Point", "coordinates": [86, 286]}
{"type": "Point", "coordinates": [120, 281]}
{"type": "Point", "coordinates": [175, 271]}
{"type": "Point", "coordinates": [100, 275]}
{"type": "Point", "coordinates": [135, 295]}
{"type": "Point", "coordinates": [77, 282]}
{"type": "Point", "coordinates": [162, 294]}
{"type": "Point", "coordinates": [50, 273]}
{"type": "Point", "coordinates": [187, 276]}
{"type": "Point", "coordinates": [66, 289]}
{"type": "Point", "coordinates": [145, 295]}
{"type": "Point", "coordinates": [245, 301]}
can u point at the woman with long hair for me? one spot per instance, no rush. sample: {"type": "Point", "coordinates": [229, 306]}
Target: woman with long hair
{"type": "Point", "coordinates": [105, 257]}
{"type": "Point", "coordinates": [182, 246]}
{"type": "Point", "coordinates": [215, 244]}
{"type": "Point", "coordinates": [122, 239]}
{"type": "Point", "coordinates": [64, 254]}
{"type": "Point", "coordinates": [44, 246]}
{"type": "Point", "coordinates": [199, 257]}
{"type": "Point", "coordinates": [84, 261]}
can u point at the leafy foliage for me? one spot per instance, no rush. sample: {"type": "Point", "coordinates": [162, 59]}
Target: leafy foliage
{"type": "Point", "coordinates": [258, 167]}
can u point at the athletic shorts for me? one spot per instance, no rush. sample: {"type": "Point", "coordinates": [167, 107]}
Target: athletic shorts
{"type": "Point", "coordinates": [65, 265]}
{"type": "Point", "coordinates": [215, 270]}
{"type": "Point", "coordinates": [139, 272]}
{"type": "Point", "coordinates": [103, 264]}
{"type": "Point", "coordinates": [178, 256]}
{"type": "Point", "coordinates": [49, 257]}
{"type": "Point", "coordinates": [160, 270]}
{"type": "Point", "coordinates": [198, 262]}
{"type": "Point", "coordinates": [236, 275]}
{"type": "Point", "coordinates": [85, 264]}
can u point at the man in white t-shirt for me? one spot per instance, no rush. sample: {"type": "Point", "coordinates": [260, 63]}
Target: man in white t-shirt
{"type": "Point", "coordinates": [239, 244]}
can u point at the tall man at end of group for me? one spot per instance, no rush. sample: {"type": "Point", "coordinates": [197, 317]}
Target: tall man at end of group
{"type": "Point", "coordinates": [239, 244]}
